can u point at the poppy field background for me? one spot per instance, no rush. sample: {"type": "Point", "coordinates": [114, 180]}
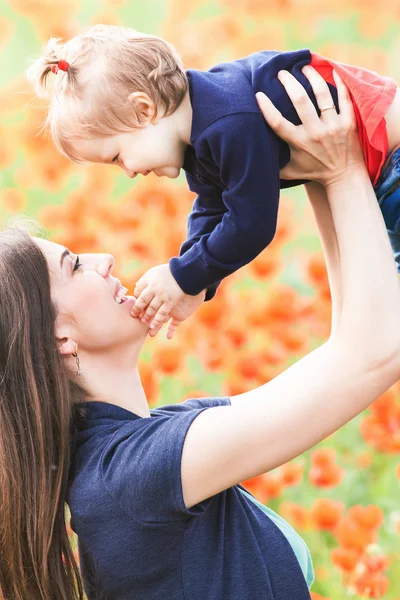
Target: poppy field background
{"type": "Point", "coordinates": [343, 495]}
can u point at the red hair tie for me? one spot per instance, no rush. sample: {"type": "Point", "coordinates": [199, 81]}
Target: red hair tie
{"type": "Point", "coordinates": [62, 65]}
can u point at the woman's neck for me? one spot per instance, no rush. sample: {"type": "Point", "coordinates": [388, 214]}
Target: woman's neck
{"type": "Point", "coordinates": [114, 378]}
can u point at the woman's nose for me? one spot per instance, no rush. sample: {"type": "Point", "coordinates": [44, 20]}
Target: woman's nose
{"type": "Point", "coordinates": [105, 265]}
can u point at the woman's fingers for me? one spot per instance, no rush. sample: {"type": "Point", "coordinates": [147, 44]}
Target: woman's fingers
{"type": "Point", "coordinates": [345, 103]}
{"type": "Point", "coordinates": [301, 101]}
{"type": "Point", "coordinates": [322, 94]}
{"type": "Point", "coordinates": [323, 148]}
{"type": "Point", "coordinates": [282, 127]}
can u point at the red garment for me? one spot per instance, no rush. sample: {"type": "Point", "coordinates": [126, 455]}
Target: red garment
{"type": "Point", "coordinates": [371, 95]}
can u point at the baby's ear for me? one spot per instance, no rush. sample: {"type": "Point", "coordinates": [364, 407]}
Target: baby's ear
{"type": "Point", "coordinates": [143, 107]}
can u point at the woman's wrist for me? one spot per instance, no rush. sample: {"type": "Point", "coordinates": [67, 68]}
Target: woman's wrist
{"type": "Point", "coordinates": [354, 173]}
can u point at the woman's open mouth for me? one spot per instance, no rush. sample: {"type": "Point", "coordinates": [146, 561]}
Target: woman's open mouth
{"type": "Point", "coordinates": [120, 297]}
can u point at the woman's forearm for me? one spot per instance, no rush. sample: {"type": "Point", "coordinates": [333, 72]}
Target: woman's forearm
{"type": "Point", "coordinates": [370, 316]}
{"type": "Point", "coordinates": [324, 220]}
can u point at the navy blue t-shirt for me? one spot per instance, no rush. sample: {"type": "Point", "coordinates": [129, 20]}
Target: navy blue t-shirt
{"type": "Point", "coordinates": [232, 163]}
{"type": "Point", "coordinates": [137, 540]}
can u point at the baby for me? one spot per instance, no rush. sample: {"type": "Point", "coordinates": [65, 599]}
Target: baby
{"type": "Point", "coordinates": [124, 98]}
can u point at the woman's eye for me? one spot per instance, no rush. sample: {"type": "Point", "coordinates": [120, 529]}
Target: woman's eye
{"type": "Point", "coordinates": [77, 264]}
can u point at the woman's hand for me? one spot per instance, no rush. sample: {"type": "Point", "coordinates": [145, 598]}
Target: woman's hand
{"type": "Point", "coordinates": [323, 148]}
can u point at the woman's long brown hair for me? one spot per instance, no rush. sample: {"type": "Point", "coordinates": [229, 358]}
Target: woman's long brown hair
{"type": "Point", "coordinates": [38, 412]}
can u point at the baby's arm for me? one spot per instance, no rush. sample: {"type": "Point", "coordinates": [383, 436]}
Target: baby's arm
{"type": "Point", "coordinates": [246, 154]}
{"type": "Point", "coordinates": [207, 211]}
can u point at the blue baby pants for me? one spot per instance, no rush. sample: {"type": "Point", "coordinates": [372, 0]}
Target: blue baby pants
{"type": "Point", "coordinates": [387, 190]}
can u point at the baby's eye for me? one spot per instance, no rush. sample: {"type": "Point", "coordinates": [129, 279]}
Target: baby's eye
{"type": "Point", "coordinates": [115, 158]}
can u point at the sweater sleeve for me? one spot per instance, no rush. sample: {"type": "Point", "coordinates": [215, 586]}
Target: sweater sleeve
{"type": "Point", "coordinates": [246, 154]}
{"type": "Point", "coordinates": [207, 211]}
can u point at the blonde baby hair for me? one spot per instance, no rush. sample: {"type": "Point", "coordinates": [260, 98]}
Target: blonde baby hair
{"type": "Point", "coordinates": [106, 64]}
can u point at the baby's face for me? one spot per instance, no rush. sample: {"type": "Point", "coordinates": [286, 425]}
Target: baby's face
{"type": "Point", "coordinates": [152, 148]}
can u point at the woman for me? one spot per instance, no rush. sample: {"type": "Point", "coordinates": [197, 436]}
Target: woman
{"type": "Point", "coordinates": [154, 495]}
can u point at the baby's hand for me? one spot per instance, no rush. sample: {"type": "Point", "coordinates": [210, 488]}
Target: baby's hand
{"type": "Point", "coordinates": [156, 293]}
{"type": "Point", "coordinates": [182, 311]}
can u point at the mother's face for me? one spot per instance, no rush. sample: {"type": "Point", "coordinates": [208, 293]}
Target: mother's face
{"type": "Point", "coordinates": [84, 295]}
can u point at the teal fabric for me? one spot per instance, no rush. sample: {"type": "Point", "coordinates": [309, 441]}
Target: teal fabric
{"type": "Point", "coordinates": [299, 546]}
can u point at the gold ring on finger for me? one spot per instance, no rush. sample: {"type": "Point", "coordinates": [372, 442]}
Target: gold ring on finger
{"type": "Point", "coordinates": [327, 107]}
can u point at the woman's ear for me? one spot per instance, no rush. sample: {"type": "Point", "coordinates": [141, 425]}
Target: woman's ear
{"type": "Point", "coordinates": [143, 107]}
{"type": "Point", "coordinates": [66, 346]}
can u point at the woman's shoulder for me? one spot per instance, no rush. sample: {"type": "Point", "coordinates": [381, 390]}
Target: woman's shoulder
{"type": "Point", "coordinates": [192, 404]}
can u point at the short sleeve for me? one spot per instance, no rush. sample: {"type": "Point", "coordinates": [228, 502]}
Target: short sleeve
{"type": "Point", "coordinates": [141, 466]}
{"type": "Point", "coordinates": [191, 403]}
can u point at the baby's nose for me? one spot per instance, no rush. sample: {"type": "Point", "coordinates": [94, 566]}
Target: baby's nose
{"type": "Point", "coordinates": [130, 174]}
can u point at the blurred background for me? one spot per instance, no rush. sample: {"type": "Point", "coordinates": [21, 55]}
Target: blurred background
{"type": "Point", "coordinates": [342, 496]}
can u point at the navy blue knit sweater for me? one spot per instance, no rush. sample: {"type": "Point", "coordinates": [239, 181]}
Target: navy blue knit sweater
{"type": "Point", "coordinates": [233, 163]}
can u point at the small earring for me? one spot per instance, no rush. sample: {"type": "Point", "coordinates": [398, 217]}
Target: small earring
{"type": "Point", "coordinates": [75, 355]}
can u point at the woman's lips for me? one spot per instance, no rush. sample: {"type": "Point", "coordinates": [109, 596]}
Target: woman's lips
{"type": "Point", "coordinates": [129, 302]}
{"type": "Point", "coordinates": [127, 299]}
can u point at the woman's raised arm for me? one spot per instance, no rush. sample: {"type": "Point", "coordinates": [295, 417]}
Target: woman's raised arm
{"type": "Point", "coordinates": [319, 201]}
{"type": "Point", "coordinates": [272, 424]}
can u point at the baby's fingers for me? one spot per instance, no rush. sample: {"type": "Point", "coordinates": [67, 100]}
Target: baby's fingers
{"type": "Point", "coordinates": [142, 302]}
{"type": "Point", "coordinates": [137, 292]}
{"type": "Point", "coordinates": [173, 324]}
{"type": "Point", "coordinates": [151, 309]}
{"type": "Point", "coordinates": [160, 318]}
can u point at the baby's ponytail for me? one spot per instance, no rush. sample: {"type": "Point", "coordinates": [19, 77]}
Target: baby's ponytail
{"type": "Point", "coordinates": [38, 72]}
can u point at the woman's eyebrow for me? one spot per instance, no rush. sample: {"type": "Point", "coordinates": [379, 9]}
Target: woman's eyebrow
{"type": "Point", "coordinates": [65, 253]}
